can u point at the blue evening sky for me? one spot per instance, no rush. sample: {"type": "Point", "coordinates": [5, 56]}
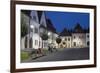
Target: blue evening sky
{"type": "Point", "coordinates": [67, 20]}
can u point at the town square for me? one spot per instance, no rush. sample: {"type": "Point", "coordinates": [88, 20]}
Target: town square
{"type": "Point", "coordinates": [54, 36]}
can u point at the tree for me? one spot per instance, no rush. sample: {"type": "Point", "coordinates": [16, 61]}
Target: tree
{"type": "Point", "coordinates": [24, 26]}
{"type": "Point", "coordinates": [44, 36]}
{"type": "Point", "coordinates": [58, 40]}
{"type": "Point", "coordinates": [24, 30]}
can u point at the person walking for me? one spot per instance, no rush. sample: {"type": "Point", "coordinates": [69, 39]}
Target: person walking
{"type": "Point", "coordinates": [50, 49]}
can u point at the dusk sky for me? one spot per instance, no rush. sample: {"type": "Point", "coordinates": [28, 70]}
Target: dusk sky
{"type": "Point", "coordinates": [67, 20]}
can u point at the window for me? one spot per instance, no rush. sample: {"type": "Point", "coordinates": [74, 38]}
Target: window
{"type": "Point", "coordinates": [64, 43]}
{"type": "Point", "coordinates": [36, 42]}
{"type": "Point", "coordinates": [35, 30]}
{"type": "Point", "coordinates": [88, 36]}
{"type": "Point", "coordinates": [74, 37]}
{"type": "Point", "coordinates": [88, 43]}
{"type": "Point", "coordinates": [68, 39]}
{"type": "Point", "coordinates": [74, 43]}
{"type": "Point", "coordinates": [65, 39]}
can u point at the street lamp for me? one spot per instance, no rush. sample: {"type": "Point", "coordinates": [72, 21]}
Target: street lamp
{"type": "Point", "coordinates": [31, 26]}
{"type": "Point", "coordinates": [49, 33]}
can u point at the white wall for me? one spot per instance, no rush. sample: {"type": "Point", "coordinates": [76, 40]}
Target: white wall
{"type": "Point", "coordinates": [79, 42]}
{"type": "Point", "coordinates": [5, 37]}
{"type": "Point", "coordinates": [67, 42]}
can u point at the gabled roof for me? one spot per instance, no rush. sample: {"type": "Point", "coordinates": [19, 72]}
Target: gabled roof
{"type": "Point", "coordinates": [65, 32]}
{"type": "Point", "coordinates": [78, 29]}
{"type": "Point", "coordinates": [50, 26]}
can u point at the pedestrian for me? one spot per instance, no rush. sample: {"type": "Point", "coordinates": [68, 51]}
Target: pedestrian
{"type": "Point", "coordinates": [50, 49]}
{"type": "Point", "coordinates": [54, 48]}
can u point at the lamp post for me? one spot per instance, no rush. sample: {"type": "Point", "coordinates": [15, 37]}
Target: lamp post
{"type": "Point", "coordinates": [31, 26]}
{"type": "Point", "coordinates": [51, 34]}
{"type": "Point", "coordinates": [49, 40]}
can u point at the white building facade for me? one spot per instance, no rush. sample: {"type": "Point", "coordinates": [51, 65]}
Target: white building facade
{"type": "Point", "coordinates": [66, 39]}
{"type": "Point", "coordinates": [33, 40]}
{"type": "Point", "coordinates": [78, 38]}
{"type": "Point", "coordinates": [33, 22]}
{"type": "Point", "coordinates": [37, 25]}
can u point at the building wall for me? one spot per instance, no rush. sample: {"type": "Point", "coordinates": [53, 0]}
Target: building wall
{"type": "Point", "coordinates": [22, 43]}
{"type": "Point", "coordinates": [87, 39]}
{"type": "Point", "coordinates": [66, 42]}
{"type": "Point", "coordinates": [37, 41]}
{"type": "Point", "coordinates": [78, 40]}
